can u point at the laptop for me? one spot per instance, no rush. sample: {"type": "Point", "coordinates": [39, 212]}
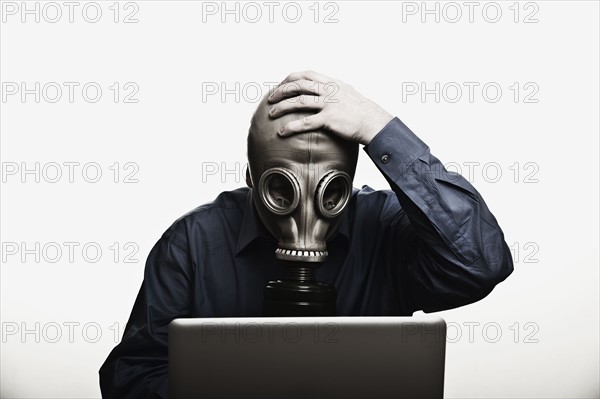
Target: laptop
{"type": "Point", "coordinates": [307, 357]}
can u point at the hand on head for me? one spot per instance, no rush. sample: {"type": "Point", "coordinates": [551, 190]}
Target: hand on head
{"type": "Point", "coordinates": [327, 104]}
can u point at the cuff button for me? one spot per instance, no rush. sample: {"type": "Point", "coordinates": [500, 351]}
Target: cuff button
{"type": "Point", "coordinates": [385, 158]}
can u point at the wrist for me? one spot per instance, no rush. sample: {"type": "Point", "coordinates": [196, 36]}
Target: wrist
{"type": "Point", "coordinates": [375, 126]}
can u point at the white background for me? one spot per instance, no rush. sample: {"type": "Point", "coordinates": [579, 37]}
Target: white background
{"type": "Point", "coordinates": [61, 316]}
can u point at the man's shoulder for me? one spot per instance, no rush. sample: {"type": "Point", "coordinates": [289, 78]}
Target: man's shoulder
{"type": "Point", "coordinates": [369, 196]}
{"type": "Point", "coordinates": [380, 205]}
{"type": "Point", "coordinates": [227, 201]}
{"type": "Point", "coordinates": [225, 210]}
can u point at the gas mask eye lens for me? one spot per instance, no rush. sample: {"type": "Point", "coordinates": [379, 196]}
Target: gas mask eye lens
{"type": "Point", "coordinates": [333, 193]}
{"type": "Point", "coordinates": [280, 191]}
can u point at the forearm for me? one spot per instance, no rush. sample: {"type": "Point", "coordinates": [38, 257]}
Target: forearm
{"type": "Point", "coordinates": [463, 243]}
{"type": "Point", "coordinates": [138, 366]}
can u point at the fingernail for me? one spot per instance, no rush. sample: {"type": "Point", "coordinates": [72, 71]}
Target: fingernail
{"type": "Point", "coordinates": [272, 111]}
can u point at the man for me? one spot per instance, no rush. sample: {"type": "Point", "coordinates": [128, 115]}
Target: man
{"type": "Point", "coordinates": [429, 244]}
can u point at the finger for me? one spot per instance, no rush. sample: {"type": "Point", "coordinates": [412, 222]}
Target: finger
{"type": "Point", "coordinates": [307, 75]}
{"type": "Point", "coordinates": [302, 102]}
{"type": "Point", "coordinates": [305, 124]}
{"type": "Point", "coordinates": [295, 88]}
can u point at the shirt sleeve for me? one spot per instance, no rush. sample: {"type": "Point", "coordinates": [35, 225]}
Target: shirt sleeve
{"type": "Point", "coordinates": [137, 367]}
{"type": "Point", "coordinates": [447, 244]}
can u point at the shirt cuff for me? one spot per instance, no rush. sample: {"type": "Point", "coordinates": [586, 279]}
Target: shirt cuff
{"type": "Point", "coordinates": [395, 148]}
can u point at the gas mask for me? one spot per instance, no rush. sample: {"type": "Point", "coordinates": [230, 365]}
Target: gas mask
{"type": "Point", "coordinates": [301, 184]}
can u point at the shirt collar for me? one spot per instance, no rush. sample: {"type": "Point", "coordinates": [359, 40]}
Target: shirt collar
{"type": "Point", "coordinates": [253, 228]}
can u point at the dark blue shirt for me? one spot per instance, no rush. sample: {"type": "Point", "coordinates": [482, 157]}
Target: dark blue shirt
{"type": "Point", "coordinates": [429, 244]}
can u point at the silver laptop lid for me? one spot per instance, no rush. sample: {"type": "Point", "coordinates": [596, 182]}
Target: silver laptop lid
{"type": "Point", "coordinates": [307, 357]}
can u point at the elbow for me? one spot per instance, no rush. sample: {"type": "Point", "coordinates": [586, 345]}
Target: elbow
{"type": "Point", "coordinates": [494, 266]}
{"type": "Point", "coordinates": [500, 263]}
